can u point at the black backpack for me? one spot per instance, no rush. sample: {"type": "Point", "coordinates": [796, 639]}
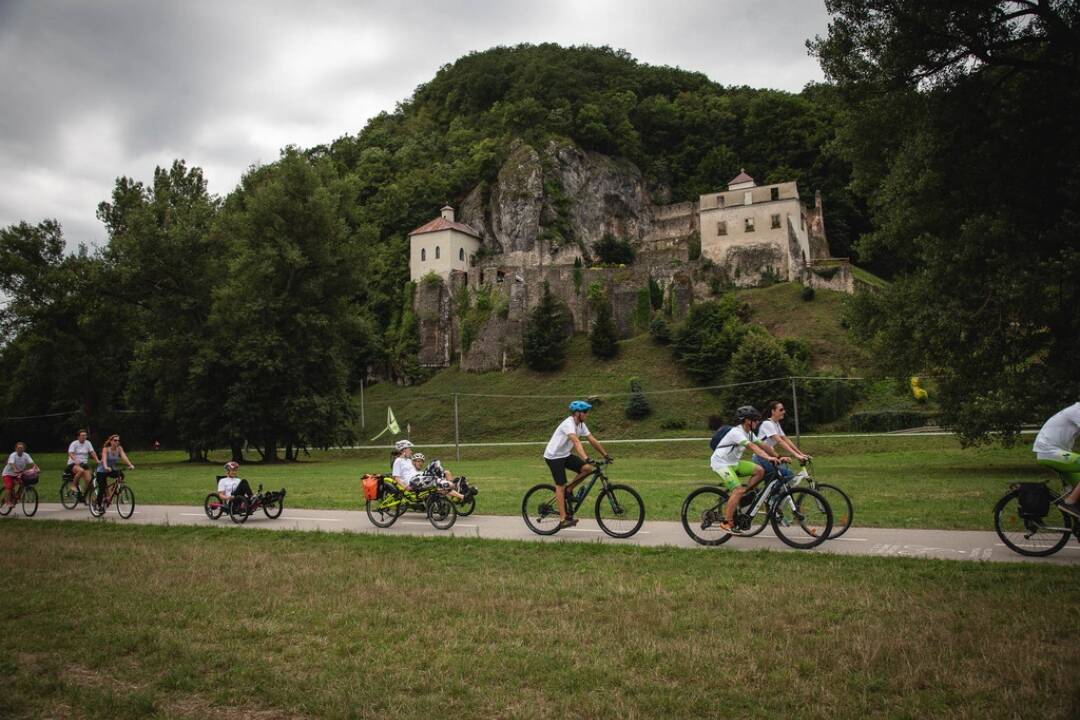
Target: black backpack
{"type": "Point", "coordinates": [718, 436]}
{"type": "Point", "coordinates": [1035, 499]}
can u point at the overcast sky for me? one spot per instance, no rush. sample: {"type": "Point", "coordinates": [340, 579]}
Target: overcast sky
{"type": "Point", "coordinates": [93, 90]}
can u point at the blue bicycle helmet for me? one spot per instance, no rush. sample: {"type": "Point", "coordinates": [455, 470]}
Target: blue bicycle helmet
{"type": "Point", "coordinates": [580, 406]}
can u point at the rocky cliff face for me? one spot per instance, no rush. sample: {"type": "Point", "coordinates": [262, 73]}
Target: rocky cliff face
{"type": "Point", "coordinates": [550, 205]}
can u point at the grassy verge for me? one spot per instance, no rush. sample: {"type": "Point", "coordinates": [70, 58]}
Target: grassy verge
{"type": "Point", "coordinates": [186, 622]}
{"type": "Point", "coordinates": [927, 482]}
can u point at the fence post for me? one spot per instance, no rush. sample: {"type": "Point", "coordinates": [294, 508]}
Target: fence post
{"type": "Point", "coordinates": [795, 404]}
{"type": "Point", "coordinates": [363, 420]}
{"type": "Point", "coordinates": [457, 431]}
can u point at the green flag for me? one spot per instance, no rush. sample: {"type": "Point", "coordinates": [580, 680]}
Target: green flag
{"type": "Point", "coordinates": [391, 425]}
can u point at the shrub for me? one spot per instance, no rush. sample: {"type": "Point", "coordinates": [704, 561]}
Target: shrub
{"type": "Point", "coordinates": [637, 408]}
{"type": "Point", "coordinates": [758, 357]}
{"type": "Point", "coordinates": [807, 293]}
{"type": "Point", "coordinates": [610, 251]}
{"type": "Point", "coordinates": [716, 421]}
{"type": "Point", "coordinates": [656, 294]}
{"type": "Point", "coordinates": [705, 340]}
{"type": "Point", "coordinates": [694, 246]}
{"type": "Point", "coordinates": [672, 424]}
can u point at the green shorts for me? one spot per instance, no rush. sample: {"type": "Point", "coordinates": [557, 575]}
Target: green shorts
{"type": "Point", "coordinates": [732, 476]}
{"type": "Point", "coordinates": [1064, 462]}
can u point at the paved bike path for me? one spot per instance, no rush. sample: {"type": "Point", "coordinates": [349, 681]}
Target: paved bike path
{"type": "Point", "coordinates": [882, 542]}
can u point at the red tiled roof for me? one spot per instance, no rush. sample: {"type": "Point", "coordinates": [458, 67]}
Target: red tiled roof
{"type": "Point", "coordinates": [441, 223]}
{"type": "Point", "coordinates": [740, 178]}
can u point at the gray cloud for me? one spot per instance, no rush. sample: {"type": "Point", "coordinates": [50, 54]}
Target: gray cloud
{"type": "Point", "coordinates": [91, 91]}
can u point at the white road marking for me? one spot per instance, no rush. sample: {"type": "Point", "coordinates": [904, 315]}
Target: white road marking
{"type": "Point", "coordinates": [421, 522]}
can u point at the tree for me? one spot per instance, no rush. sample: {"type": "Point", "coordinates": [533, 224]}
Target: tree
{"type": "Point", "coordinates": [758, 358]}
{"type": "Point", "coordinates": [604, 339]}
{"type": "Point", "coordinates": [610, 251]}
{"type": "Point", "coordinates": [705, 340]}
{"type": "Point", "coordinates": [283, 318]}
{"type": "Point", "coordinates": [545, 334]}
{"type": "Point", "coordinates": [959, 133]}
{"type": "Point", "coordinates": [637, 407]}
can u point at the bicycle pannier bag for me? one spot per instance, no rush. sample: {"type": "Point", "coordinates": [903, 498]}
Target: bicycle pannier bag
{"type": "Point", "coordinates": [371, 487]}
{"type": "Point", "coordinates": [1035, 501]}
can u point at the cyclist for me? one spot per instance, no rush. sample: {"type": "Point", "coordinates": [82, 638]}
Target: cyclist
{"type": "Point", "coordinates": [230, 486]}
{"type": "Point", "coordinates": [79, 453]}
{"type": "Point", "coordinates": [727, 463]}
{"type": "Point", "coordinates": [771, 433]}
{"type": "Point", "coordinates": [564, 450]}
{"type": "Point", "coordinates": [19, 466]}
{"type": "Point", "coordinates": [112, 453]}
{"type": "Point", "coordinates": [404, 470]}
{"type": "Point", "coordinates": [1054, 449]}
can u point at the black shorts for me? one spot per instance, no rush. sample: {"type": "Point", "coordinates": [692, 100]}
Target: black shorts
{"type": "Point", "coordinates": [559, 466]}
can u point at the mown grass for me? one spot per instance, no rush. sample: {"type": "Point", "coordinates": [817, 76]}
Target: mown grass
{"type": "Point", "coordinates": [188, 622]}
{"type": "Point", "coordinates": [904, 482]}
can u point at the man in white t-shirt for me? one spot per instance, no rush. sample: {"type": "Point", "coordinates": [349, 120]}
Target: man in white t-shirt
{"type": "Point", "coordinates": [727, 462]}
{"type": "Point", "coordinates": [79, 453]}
{"type": "Point", "coordinates": [564, 450]}
{"type": "Point", "coordinates": [771, 433]}
{"type": "Point", "coordinates": [1053, 448]}
{"type": "Point", "coordinates": [404, 470]}
{"type": "Point", "coordinates": [230, 486]}
{"type": "Point", "coordinates": [19, 466]}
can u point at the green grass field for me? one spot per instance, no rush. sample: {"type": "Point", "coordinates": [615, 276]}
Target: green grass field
{"type": "Point", "coordinates": [193, 623]}
{"type": "Point", "coordinates": [916, 482]}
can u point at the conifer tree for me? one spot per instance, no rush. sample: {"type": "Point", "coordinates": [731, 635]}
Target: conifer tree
{"type": "Point", "coordinates": [603, 339]}
{"type": "Point", "coordinates": [545, 334]}
{"type": "Point", "coordinates": [638, 406]}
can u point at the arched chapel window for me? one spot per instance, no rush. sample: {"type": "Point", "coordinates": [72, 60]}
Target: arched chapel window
{"type": "Point", "coordinates": [461, 254]}
{"type": "Point", "coordinates": [436, 252]}
{"type": "Point", "coordinates": [423, 254]}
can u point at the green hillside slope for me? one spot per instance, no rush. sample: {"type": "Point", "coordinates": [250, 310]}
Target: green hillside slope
{"type": "Point", "coordinates": [428, 408]}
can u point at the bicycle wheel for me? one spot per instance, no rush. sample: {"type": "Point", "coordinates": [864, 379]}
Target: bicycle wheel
{"type": "Point", "coordinates": [620, 511]}
{"type": "Point", "coordinates": [29, 501]}
{"type": "Point", "coordinates": [805, 522]}
{"type": "Point", "coordinates": [843, 512]}
{"type": "Point", "coordinates": [239, 510]}
{"type": "Point", "coordinates": [441, 513]}
{"type": "Point", "coordinates": [540, 510]}
{"type": "Point", "coordinates": [466, 507]}
{"type": "Point", "coordinates": [96, 505]}
{"type": "Point", "coordinates": [6, 509]}
{"type": "Point", "coordinates": [702, 513]}
{"type": "Point", "coordinates": [125, 501]}
{"type": "Point", "coordinates": [1036, 538]}
{"type": "Point", "coordinates": [213, 506]}
{"type": "Point", "coordinates": [274, 508]}
{"type": "Point", "coordinates": [381, 516]}
{"type": "Point", "coordinates": [69, 496]}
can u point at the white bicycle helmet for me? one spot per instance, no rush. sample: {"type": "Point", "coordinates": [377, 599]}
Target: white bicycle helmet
{"type": "Point", "coordinates": [402, 444]}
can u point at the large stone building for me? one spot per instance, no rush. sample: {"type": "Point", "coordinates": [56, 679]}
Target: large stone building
{"type": "Point", "coordinates": [751, 230]}
{"type": "Point", "coordinates": [441, 246]}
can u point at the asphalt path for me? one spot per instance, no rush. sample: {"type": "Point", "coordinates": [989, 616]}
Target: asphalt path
{"type": "Point", "coordinates": [975, 545]}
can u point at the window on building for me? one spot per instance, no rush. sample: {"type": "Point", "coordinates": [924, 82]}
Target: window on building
{"type": "Point", "coordinates": [774, 193]}
{"type": "Point", "coordinates": [719, 201]}
{"type": "Point", "coordinates": [436, 252]}
{"type": "Point", "coordinates": [802, 221]}
{"type": "Point", "coordinates": [461, 254]}
{"type": "Point", "coordinates": [748, 198]}
{"type": "Point", "coordinates": [775, 221]}
{"type": "Point", "coordinates": [721, 227]}
{"type": "Point", "coordinates": [423, 254]}
{"type": "Point", "coordinates": [748, 225]}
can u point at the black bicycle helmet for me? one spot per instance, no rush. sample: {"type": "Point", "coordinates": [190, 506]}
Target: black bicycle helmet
{"type": "Point", "coordinates": [747, 411]}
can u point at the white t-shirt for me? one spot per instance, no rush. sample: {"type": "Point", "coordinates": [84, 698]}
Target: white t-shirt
{"type": "Point", "coordinates": [81, 450]}
{"type": "Point", "coordinates": [228, 485]}
{"type": "Point", "coordinates": [559, 446]}
{"type": "Point", "coordinates": [1059, 432]}
{"type": "Point", "coordinates": [18, 463]}
{"type": "Point", "coordinates": [731, 447]}
{"type": "Point", "coordinates": [404, 470]}
{"type": "Point", "coordinates": [769, 432]}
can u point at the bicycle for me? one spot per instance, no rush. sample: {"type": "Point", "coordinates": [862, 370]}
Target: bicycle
{"type": "Point", "coordinates": [116, 492]}
{"type": "Point", "coordinates": [23, 493]}
{"type": "Point", "coordinates": [391, 502]}
{"type": "Point", "coordinates": [467, 504]}
{"type": "Point", "coordinates": [1029, 522]}
{"type": "Point", "coordinates": [240, 508]}
{"type": "Point", "coordinates": [774, 501]}
{"type": "Point", "coordinates": [619, 510]}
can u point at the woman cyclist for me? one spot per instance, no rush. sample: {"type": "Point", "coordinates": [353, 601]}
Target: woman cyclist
{"type": "Point", "coordinates": [112, 453]}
